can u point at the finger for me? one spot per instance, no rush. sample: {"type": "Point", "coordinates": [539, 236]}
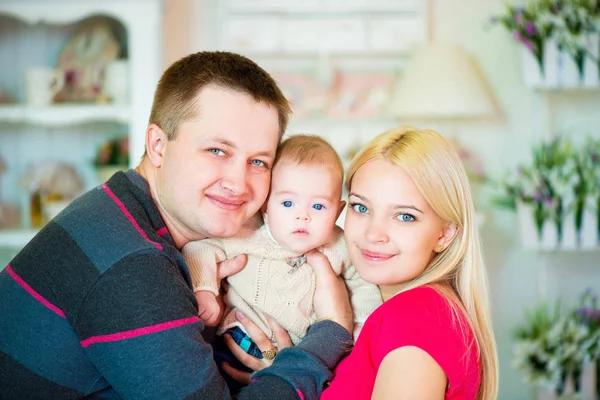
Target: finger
{"type": "Point", "coordinates": [231, 266]}
{"type": "Point", "coordinates": [323, 271]}
{"type": "Point", "coordinates": [240, 376]}
{"type": "Point", "coordinates": [262, 341]}
{"type": "Point", "coordinates": [249, 361]}
{"type": "Point", "coordinates": [281, 335]}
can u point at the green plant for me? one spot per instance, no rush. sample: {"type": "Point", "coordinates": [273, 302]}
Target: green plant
{"type": "Point", "coordinates": [553, 343]}
{"type": "Point", "coordinates": [113, 152]}
{"type": "Point", "coordinates": [559, 181]}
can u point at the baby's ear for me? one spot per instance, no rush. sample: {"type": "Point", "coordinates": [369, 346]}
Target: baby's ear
{"type": "Point", "coordinates": [341, 208]}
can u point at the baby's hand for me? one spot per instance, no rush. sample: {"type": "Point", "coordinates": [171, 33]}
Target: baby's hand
{"type": "Point", "coordinates": [209, 310]}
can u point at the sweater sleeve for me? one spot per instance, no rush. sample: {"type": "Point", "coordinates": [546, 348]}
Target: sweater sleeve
{"type": "Point", "coordinates": [153, 346]}
{"type": "Point", "coordinates": [202, 257]}
{"type": "Point", "coordinates": [305, 367]}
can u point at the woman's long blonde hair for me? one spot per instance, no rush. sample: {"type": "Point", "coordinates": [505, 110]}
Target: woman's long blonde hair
{"type": "Point", "coordinates": [458, 272]}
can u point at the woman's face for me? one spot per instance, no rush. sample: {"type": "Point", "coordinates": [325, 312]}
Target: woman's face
{"type": "Point", "coordinates": [391, 232]}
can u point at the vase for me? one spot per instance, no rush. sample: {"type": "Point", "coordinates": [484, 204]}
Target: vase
{"type": "Point", "coordinates": [551, 65]}
{"type": "Point", "coordinates": [544, 393]}
{"type": "Point", "coordinates": [532, 70]}
{"type": "Point", "coordinates": [588, 380]}
{"type": "Point", "coordinates": [568, 240]}
{"type": "Point", "coordinates": [588, 235]}
{"type": "Point", "coordinates": [104, 172]}
{"type": "Point", "coordinates": [530, 237]}
{"type": "Point", "coordinates": [549, 239]}
{"type": "Point", "coordinates": [569, 73]}
{"type": "Point", "coordinates": [591, 78]}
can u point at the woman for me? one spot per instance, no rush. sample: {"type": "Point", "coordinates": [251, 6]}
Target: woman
{"type": "Point", "coordinates": [410, 229]}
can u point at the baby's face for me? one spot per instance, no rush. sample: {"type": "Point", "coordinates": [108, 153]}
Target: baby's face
{"type": "Point", "coordinates": [303, 205]}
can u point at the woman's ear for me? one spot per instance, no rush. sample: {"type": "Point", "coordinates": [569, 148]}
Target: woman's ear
{"type": "Point", "coordinates": [448, 234]}
{"type": "Point", "coordinates": [156, 140]}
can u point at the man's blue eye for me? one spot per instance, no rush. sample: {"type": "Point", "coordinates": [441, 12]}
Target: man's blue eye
{"type": "Point", "coordinates": [287, 203]}
{"type": "Point", "coordinates": [318, 207]}
{"type": "Point", "coordinates": [405, 217]}
{"type": "Point", "coordinates": [216, 151]}
{"type": "Point", "coordinates": [258, 163]}
{"type": "Point", "coordinates": [359, 208]}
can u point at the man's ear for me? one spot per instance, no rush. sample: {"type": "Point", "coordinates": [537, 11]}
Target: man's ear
{"type": "Point", "coordinates": [156, 140]}
{"type": "Point", "coordinates": [340, 208]}
{"type": "Point", "coordinates": [448, 234]}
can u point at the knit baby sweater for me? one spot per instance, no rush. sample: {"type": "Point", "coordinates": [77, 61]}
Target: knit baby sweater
{"type": "Point", "coordinates": [272, 285]}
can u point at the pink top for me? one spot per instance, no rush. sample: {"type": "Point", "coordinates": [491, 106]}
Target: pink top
{"type": "Point", "coordinates": [420, 317]}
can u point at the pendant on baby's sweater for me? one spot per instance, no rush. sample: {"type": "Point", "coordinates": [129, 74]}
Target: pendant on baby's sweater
{"type": "Point", "coordinates": [295, 263]}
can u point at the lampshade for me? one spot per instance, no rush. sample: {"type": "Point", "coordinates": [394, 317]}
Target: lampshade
{"type": "Point", "coordinates": [442, 81]}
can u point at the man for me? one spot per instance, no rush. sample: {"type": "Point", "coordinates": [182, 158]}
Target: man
{"type": "Point", "coordinates": [99, 304]}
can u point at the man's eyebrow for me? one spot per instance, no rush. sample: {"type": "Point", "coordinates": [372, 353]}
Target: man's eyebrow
{"type": "Point", "coordinates": [222, 140]}
{"type": "Point", "coordinates": [229, 143]}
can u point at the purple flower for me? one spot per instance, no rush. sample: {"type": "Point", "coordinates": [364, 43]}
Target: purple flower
{"type": "Point", "coordinates": [517, 36]}
{"type": "Point", "coordinates": [530, 28]}
{"type": "Point", "coordinates": [519, 17]}
{"type": "Point", "coordinates": [537, 197]}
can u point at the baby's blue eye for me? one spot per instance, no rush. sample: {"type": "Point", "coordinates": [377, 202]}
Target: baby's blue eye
{"type": "Point", "coordinates": [318, 207]}
{"type": "Point", "coordinates": [217, 151]}
{"type": "Point", "coordinates": [405, 217]}
{"type": "Point", "coordinates": [359, 208]}
{"type": "Point", "coordinates": [258, 163]}
{"type": "Point", "coordinates": [287, 203]}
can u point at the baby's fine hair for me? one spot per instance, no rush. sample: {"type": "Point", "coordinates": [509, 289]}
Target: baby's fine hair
{"type": "Point", "coordinates": [304, 149]}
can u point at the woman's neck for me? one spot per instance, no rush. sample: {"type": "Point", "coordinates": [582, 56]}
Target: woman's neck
{"type": "Point", "coordinates": [389, 291]}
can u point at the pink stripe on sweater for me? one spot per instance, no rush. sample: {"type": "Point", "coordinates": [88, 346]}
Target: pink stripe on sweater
{"type": "Point", "coordinates": [128, 214]}
{"type": "Point", "coordinates": [299, 393]}
{"type": "Point", "coordinates": [113, 337]}
{"type": "Point", "coordinates": [32, 292]}
{"type": "Point", "coordinates": [162, 231]}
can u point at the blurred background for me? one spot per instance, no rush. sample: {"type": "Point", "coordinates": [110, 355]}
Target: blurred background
{"type": "Point", "coordinates": [513, 85]}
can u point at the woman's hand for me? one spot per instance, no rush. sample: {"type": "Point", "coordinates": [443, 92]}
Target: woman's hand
{"type": "Point", "coordinates": [263, 343]}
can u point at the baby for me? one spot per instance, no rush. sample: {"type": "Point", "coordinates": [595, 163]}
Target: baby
{"type": "Point", "coordinates": [299, 215]}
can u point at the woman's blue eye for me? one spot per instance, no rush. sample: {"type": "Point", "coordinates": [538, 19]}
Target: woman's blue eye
{"type": "Point", "coordinates": [359, 208]}
{"type": "Point", "coordinates": [318, 207]}
{"type": "Point", "coordinates": [217, 151]}
{"type": "Point", "coordinates": [258, 163]}
{"type": "Point", "coordinates": [405, 217]}
{"type": "Point", "coordinates": [287, 203]}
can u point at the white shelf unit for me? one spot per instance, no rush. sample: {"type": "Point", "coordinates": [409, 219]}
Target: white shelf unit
{"type": "Point", "coordinates": [64, 114]}
{"type": "Point", "coordinates": [32, 32]}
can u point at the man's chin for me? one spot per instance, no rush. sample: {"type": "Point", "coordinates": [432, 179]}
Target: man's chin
{"type": "Point", "coordinates": [226, 230]}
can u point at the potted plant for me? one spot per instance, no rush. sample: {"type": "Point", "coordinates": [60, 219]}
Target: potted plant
{"type": "Point", "coordinates": [557, 351]}
{"type": "Point", "coordinates": [112, 156]}
{"type": "Point", "coordinates": [556, 195]}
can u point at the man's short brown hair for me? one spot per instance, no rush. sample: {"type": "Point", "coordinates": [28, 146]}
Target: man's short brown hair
{"type": "Point", "coordinates": [178, 88]}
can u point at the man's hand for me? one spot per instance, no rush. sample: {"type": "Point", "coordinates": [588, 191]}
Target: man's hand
{"type": "Point", "coordinates": [331, 296]}
{"type": "Point", "coordinates": [230, 266]}
{"type": "Point", "coordinates": [209, 309]}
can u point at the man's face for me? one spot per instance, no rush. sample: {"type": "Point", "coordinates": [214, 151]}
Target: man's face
{"type": "Point", "coordinates": [303, 206]}
{"type": "Point", "coordinates": [215, 175]}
